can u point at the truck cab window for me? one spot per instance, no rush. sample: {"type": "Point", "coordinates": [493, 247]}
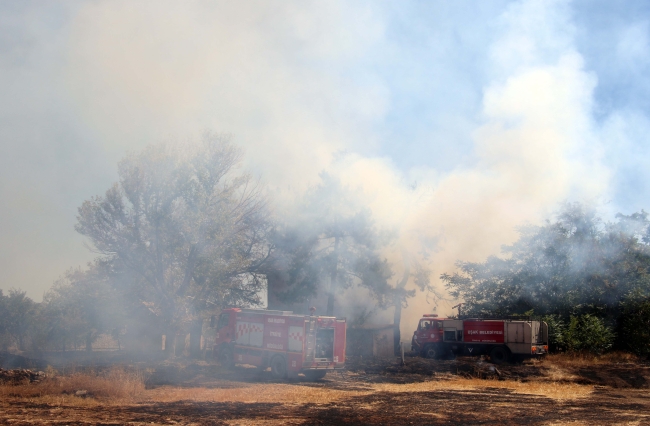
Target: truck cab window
{"type": "Point", "coordinates": [223, 321]}
{"type": "Point", "coordinates": [450, 335]}
{"type": "Point", "coordinates": [425, 325]}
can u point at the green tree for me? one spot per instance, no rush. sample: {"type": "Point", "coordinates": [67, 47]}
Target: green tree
{"type": "Point", "coordinates": [556, 332]}
{"type": "Point", "coordinates": [85, 304]}
{"type": "Point", "coordinates": [332, 245]}
{"type": "Point", "coordinates": [18, 316]}
{"type": "Point", "coordinates": [183, 231]}
{"type": "Point", "coordinates": [634, 327]}
{"type": "Point", "coordinates": [588, 333]}
{"type": "Point", "coordinates": [328, 247]}
{"type": "Point", "coordinates": [577, 266]}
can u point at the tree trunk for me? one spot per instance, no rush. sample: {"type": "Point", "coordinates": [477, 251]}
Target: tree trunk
{"type": "Point", "coordinates": [397, 337]}
{"type": "Point", "coordinates": [195, 338]}
{"type": "Point", "coordinates": [397, 318]}
{"type": "Point", "coordinates": [333, 279]}
{"type": "Point", "coordinates": [170, 343]}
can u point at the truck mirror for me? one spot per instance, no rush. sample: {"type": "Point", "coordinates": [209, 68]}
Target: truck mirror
{"type": "Point", "coordinates": [212, 321]}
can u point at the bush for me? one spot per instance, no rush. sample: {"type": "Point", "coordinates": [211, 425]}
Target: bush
{"type": "Point", "coordinates": [588, 333]}
{"type": "Point", "coordinates": [635, 328]}
{"type": "Point", "coordinates": [556, 332]}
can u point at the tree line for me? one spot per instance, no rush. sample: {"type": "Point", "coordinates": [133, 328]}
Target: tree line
{"type": "Point", "coordinates": [589, 279]}
{"type": "Point", "coordinates": [184, 233]}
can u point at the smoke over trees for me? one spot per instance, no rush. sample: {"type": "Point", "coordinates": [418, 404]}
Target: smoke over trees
{"type": "Point", "coordinates": [82, 305]}
{"type": "Point", "coordinates": [586, 276]}
{"type": "Point", "coordinates": [183, 231]}
{"type": "Point", "coordinates": [332, 245]}
{"type": "Point", "coordinates": [183, 234]}
{"type": "Point", "coordinates": [16, 310]}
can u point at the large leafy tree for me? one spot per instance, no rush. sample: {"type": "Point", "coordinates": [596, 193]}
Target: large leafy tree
{"type": "Point", "coordinates": [182, 229]}
{"type": "Point", "coordinates": [333, 245]}
{"type": "Point", "coordinates": [576, 265]}
{"type": "Point", "coordinates": [329, 246]}
{"type": "Point", "coordinates": [17, 316]}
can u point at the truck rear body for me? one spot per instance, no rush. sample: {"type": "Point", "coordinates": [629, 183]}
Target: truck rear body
{"type": "Point", "coordinates": [476, 336]}
{"type": "Point", "coordinates": [257, 336]}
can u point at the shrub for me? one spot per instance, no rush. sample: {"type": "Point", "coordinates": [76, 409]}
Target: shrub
{"type": "Point", "coordinates": [556, 332]}
{"type": "Point", "coordinates": [635, 328]}
{"type": "Point", "coordinates": [588, 333]}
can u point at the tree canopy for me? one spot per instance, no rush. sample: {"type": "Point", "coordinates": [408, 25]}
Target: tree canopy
{"type": "Point", "coordinates": [333, 245]}
{"type": "Point", "coordinates": [182, 229]}
{"type": "Point", "coordinates": [576, 265]}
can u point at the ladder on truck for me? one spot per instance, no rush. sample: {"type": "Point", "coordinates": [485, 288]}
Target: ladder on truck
{"type": "Point", "coordinates": [311, 341]}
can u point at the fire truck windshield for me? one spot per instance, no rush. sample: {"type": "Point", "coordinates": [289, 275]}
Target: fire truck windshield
{"type": "Point", "coordinates": [426, 324]}
{"type": "Point", "coordinates": [223, 321]}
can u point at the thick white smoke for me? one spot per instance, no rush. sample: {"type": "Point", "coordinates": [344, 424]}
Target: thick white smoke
{"type": "Point", "coordinates": [537, 146]}
{"type": "Point", "coordinates": [298, 86]}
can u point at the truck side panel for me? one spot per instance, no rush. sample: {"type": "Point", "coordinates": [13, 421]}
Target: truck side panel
{"type": "Point", "coordinates": [256, 334]}
{"type": "Point", "coordinates": [339, 342]}
{"type": "Point", "coordinates": [294, 361]}
{"type": "Point", "coordinates": [275, 337]}
{"type": "Point", "coordinates": [483, 332]}
{"type": "Point", "coordinates": [255, 337]}
{"type": "Point", "coordinates": [514, 332]}
{"type": "Point", "coordinates": [296, 338]}
{"type": "Point", "coordinates": [242, 332]}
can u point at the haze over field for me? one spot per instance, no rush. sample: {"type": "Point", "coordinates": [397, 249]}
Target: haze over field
{"type": "Point", "coordinates": [453, 121]}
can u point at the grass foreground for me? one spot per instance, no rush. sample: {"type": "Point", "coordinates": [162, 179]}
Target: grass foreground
{"type": "Point", "coordinates": [560, 389]}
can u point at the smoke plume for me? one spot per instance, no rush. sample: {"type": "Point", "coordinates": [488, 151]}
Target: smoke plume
{"type": "Point", "coordinates": [452, 130]}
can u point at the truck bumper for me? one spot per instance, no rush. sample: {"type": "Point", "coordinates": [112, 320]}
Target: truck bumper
{"type": "Point", "coordinates": [539, 350]}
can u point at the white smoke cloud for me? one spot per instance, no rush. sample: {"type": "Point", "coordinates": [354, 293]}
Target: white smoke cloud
{"type": "Point", "coordinates": [537, 146]}
{"type": "Point", "coordinates": [306, 87]}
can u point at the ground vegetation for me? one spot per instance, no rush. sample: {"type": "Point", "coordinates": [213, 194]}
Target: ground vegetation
{"type": "Point", "coordinates": [589, 279]}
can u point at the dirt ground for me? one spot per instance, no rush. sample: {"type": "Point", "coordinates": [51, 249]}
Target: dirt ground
{"type": "Point", "coordinates": [464, 391]}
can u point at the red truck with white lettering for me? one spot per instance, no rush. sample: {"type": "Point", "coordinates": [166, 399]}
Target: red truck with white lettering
{"type": "Point", "coordinates": [501, 339]}
{"type": "Point", "coordinates": [290, 344]}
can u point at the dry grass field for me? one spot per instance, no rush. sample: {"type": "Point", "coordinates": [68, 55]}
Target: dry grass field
{"type": "Point", "coordinates": [558, 390]}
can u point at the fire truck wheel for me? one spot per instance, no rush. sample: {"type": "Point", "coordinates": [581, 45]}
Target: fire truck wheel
{"type": "Point", "coordinates": [226, 358]}
{"type": "Point", "coordinates": [430, 352]}
{"type": "Point", "coordinates": [313, 375]}
{"type": "Point", "coordinates": [499, 355]}
{"type": "Point", "coordinates": [278, 367]}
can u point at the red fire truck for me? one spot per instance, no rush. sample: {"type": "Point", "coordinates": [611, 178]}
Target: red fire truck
{"type": "Point", "coordinates": [501, 339]}
{"type": "Point", "coordinates": [289, 344]}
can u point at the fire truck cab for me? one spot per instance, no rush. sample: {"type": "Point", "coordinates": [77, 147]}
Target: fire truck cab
{"type": "Point", "coordinates": [290, 344]}
{"type": "Point", "coordinates": [502, 339]}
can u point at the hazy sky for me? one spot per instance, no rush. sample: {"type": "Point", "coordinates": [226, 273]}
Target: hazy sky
{"type": "Point", "coordinates": [459, 120]}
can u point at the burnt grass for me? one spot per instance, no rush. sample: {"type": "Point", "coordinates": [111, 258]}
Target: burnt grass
{"type": "Point", "coordinates": [620, 396]}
